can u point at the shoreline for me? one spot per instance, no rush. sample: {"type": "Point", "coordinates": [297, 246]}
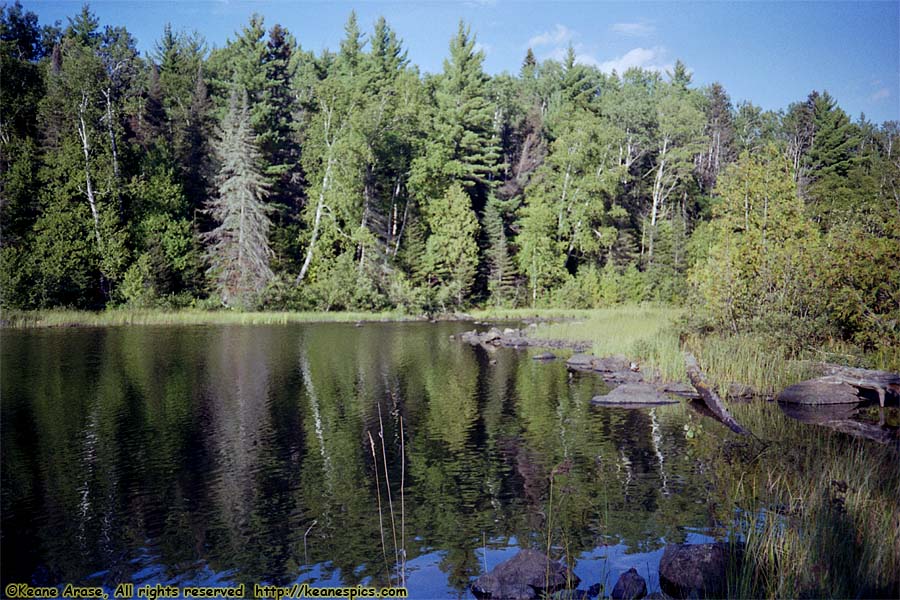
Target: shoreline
{"type": "Point", "coordinates": [53, 318]}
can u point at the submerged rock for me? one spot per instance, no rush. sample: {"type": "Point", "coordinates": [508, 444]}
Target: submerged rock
{"type": "Point", "coordinates": [528, 574]}
{"type": "Point", "coordinates": [634, 395]}
{"type": "Point", "coordinates": [694, 570]}
{"type": "Point", "coordinates": [630, 586]}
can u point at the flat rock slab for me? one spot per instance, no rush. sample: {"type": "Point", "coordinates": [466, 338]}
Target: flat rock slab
{"type": "Point", "coordinates": [824, 390]}
{"type": "Point", "coordinates": [694, 570]}
{"type": "Point", "coordinates": [630, 395]}
{"type": "Point", "coordinates": [581, 362]}
{"type": "Point", "coordinates": [544, 356]}
{"type": "Point", "coordinates": [528, 574]}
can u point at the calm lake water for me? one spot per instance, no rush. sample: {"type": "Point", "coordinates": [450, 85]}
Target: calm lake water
{"type": "Point", "coordinates": [227, 454]}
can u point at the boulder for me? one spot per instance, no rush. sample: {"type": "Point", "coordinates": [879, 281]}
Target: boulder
{"type": "Point", "coordinates": [630, 586]}
{"type": "Point", "coordinates": [694, 570]}
{"type": "Point", "coordinates": [739, 391]}
{"type": "Point", "coordinates": [544, 356]}
{"type": "Point", "coordinates": [528, 574]}
{"type": "Point", "coordinates": [611, 364]}
{"type": "Point", "coordinates": [824, 390]}
{"type": "Point", "coordinates": [634, 395]}
{"type": "Point", "coordinates": [491, 335]}
{"type": "Point", "coordinates": [581, 362]}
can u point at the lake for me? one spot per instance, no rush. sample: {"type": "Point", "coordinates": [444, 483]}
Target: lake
{"type": "Point", "coordinates": [327, 454]}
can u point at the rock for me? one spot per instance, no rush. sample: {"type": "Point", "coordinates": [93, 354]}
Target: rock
{"type": "Point", "coordinates": [739, 391]}
{"type": "Point", "coordinates": [491, 335]}
{"type": "Point", "coordinates": [581, 362]}
{"type": "Point", "coordinates": [544, 356]}
{"type": "Point", "coordinates": [824, 390]}
{"type": "Point", "coordinates": [619, 377]}
{"type": "Point", "coordinates": [611, 364]}
{"type": "Point", "coordinates": [510, 331]}
{"type": "Point", "coordinates": [694, 570]}
{"type": "Point", "coordinates": [684, 390]}
{"type": "Point", "coordinates": [630, 586]}
{"type": "Point", "coordinates": [634, 395]}
{"type": "Point", "coordinates": [528, 574]}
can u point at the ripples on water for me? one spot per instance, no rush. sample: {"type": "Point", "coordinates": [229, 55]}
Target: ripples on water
{"type": "Point", "coordinates": [214, 455]}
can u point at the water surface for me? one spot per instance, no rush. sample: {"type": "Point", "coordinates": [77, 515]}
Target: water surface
{"type": "Point", "coordinates": [228, 454]}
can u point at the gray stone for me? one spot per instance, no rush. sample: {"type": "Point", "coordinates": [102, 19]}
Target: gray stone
{"type": "Point", "coordinates": [581, 362]}
{"type": "Point", "coordinates": [739, 391]}
{"type": "Point", "coordinates": [629, 395]}
{"type": "Point", "coordinates": [824, 390]}
{"type": "Point", "coordinates": [527, 570]}
{"type": "Point", "coordinates": [630, 586]}
{"type": "Point", "coordinates": [694, 570]}
{"type": "Point", "coordinates": [544, 356]}
{"type": "Point", "coordinates": [611, 364]}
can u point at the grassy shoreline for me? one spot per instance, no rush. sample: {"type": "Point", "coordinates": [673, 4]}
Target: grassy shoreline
{"type": "Point", "coordinates": [109, 318]}
{"type": "Point", "coordinates": [647, 333]}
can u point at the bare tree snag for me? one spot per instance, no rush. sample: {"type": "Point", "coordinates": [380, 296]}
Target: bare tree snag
{"type": "Point", "coordinates": [709, 396]}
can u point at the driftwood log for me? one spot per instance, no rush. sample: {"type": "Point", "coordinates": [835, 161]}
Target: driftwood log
{"type": "Point", "coordinates": [709, 395]}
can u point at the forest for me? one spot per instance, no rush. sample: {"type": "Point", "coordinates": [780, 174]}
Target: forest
{"type": "Point", "coordinates": [260, 175]}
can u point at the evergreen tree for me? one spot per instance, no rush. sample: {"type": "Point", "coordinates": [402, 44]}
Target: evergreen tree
{"type": "Point", "coordinates": [462, 146]}
{"type": "Point", "coordinates": [238, 248]}
{"type": "Point", "coordinates": [502, 274]}
{"type": "Point", "coordinates": [451, 253]}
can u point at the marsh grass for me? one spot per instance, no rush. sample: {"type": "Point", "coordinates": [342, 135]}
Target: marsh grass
{"type": "Point", "coordinates": [113, 317]}
{"type": "Point", "coordinates": [817, 510]}
{"type": "Point", "coordinates": [749, 360]}
{"type": "Point", "coordinates": [645, 333]}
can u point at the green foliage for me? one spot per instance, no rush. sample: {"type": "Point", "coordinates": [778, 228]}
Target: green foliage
{"type": "Point", "coordinates": [561, 185]}
{"type": "Point", "coordinates": [238, 248]}
{"type": "Point", "coordinates": [451, 253]}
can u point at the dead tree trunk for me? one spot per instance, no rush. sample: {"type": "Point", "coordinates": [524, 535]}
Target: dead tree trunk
{"type": "Point", "coordinates": [709, 395]}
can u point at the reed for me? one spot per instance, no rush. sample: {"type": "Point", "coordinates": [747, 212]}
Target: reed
{"type": "Point", "coordinates": [114, 317]}
{"type": "Point", "coordinates": [645, 333]}
{"type": "Point", "coordinates": [817, 511]}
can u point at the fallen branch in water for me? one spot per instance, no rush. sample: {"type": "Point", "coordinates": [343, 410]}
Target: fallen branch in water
{"type": "Point", "coordinates": [709, 396]}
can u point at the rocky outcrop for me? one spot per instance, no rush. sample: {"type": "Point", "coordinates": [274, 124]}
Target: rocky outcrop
{"type": "Point", "coordinates": [844, 385]}
{"type": "Point", "coordinates": [630, 586]}
{"type": "Point", "coordinates": [695, 570]}
{"type": "Point", "coordinates": [529, 574]}
{"type": "Point", "coordinates": [634, 395]}
{"type": "Point", "coordinates": [512, 338]}
{"type": "Point", "coordinates": [823, 390]}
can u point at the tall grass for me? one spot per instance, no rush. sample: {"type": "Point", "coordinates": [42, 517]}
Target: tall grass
{"type": "Point", "coordinates": [645, 333]}
{"type": "Point", "coordinates": [749, 360]}
{"type": "Point", "coordinates": [112, 317]}
{"type": "Point", "coordinates": [817, 511]}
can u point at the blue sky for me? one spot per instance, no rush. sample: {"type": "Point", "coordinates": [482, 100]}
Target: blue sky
{"type": "Point", "coordinates": [770, 53]}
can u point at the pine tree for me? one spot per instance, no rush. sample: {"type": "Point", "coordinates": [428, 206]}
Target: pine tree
{"type": "Point", "coordinates": [451, 253]}
{"type": "Point", "coordinates": [463, 147]}
{"type": "Point", "coordinates": [501, 276]}
{"type": "Point", "coordinates": [238, 248]}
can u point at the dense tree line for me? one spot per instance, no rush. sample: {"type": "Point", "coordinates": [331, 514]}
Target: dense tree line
{"type": "Point", "coordinates": [261, 175]}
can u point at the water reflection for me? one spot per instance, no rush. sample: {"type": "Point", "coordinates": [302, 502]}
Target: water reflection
{"type": "Point", "coordinates": [242, 454]}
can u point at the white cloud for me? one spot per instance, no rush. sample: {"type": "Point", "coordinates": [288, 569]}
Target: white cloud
{"type": "Point", "coordinates": [880, 95]}
{"type": "Point", "coordinates": [651, 59]}
{"type": "Point", "coordinates": [634, 29]}
{"type": "Point", "coordinates": [559, 35]}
